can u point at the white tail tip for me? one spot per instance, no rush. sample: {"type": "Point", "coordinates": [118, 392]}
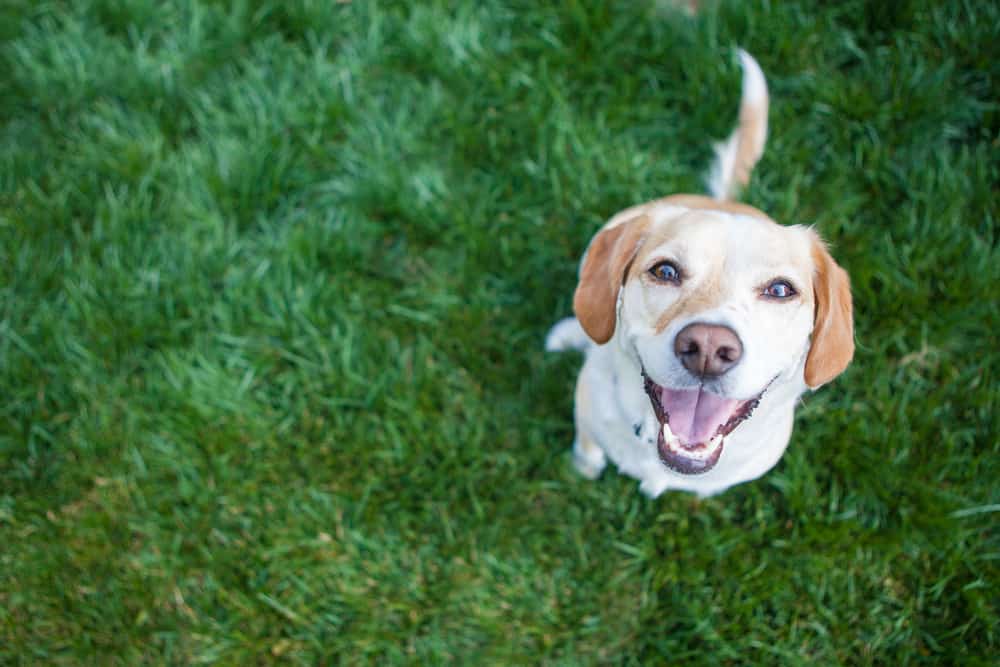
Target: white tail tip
{"type": "Point", "coordinates": [567, 334]}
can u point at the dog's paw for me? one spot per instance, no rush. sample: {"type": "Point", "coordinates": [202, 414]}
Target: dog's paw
{"type": "Point", "coordinates": [652, 488]}
{"type": "Point", "coordinates": [589, 461]}
{"type": "Point", "coordinates": [588, 469]}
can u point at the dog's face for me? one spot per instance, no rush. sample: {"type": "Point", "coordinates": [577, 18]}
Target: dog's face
{"type": "Point", "coordinates": [717, 307]}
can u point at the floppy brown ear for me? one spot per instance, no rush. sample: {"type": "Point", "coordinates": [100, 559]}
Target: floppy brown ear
{"type": "Point", "coordinates": [833, 325]}
{"type": "Point", "coordinates": [603, 273]}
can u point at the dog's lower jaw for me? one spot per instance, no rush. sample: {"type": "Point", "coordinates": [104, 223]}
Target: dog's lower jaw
{"type": "Point", "coordinates": [686, 460]}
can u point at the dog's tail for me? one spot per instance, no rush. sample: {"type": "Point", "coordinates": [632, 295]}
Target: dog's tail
{"type": "Point", "coordinates": [736, 156]}
{"type": "Point", "coordinates": [567, 334]}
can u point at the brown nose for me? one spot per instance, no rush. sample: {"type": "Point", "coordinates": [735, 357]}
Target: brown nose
{"type": "Point", "coordinates": [708, 350]}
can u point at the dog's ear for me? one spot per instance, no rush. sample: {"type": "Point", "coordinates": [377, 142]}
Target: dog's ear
{"type": "Point", "coordinates": [833, 324]}
{"type": "Point", "coordinates": [603, 273]}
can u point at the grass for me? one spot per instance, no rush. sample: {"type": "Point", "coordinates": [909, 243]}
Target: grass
{"type": "Point", "coordinates": [275, 278]}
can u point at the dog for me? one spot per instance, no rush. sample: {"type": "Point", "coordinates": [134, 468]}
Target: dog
{"type": "Point", "coordinates": [703, 321]}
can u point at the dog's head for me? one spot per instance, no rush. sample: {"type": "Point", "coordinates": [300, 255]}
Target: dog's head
{"type": "Point", "coordinates": [717, 306]}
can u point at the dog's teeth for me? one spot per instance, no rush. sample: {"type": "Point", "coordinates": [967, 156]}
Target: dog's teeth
{"type": "Point", "coordinates": [668, 435]}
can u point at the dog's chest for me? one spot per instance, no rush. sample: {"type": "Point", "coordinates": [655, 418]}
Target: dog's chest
{"type": "Point", "coordinates": [624, 424]}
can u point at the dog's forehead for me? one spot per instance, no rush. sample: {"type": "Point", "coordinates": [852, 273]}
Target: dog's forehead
{"type": "Point", "coordinates": [736, 239]}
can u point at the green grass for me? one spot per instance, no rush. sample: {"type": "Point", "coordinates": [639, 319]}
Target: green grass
{"type": "Point", "coordinates": [274, 282]}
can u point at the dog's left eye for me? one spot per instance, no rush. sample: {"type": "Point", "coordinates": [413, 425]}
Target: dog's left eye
{"type": "Point", "coordinates": [780, 289]}
{"type": "Point", "coordinates": [666, 272]}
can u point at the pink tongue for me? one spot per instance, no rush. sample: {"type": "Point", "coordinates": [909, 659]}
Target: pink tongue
{"type": "Point", "coordinates": [696, 415]}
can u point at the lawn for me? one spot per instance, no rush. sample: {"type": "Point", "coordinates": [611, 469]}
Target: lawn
{"type": "Point", "coordinates": [274, 283]}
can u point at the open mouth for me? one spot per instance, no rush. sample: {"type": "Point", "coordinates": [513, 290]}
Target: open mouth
{"type": "Point", "coordinates": [694, 424]}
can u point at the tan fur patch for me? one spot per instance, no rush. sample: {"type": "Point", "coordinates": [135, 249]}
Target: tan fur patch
{"type": "Point", "coordinates": [603, 273]}
{"type": "Point", "coordinates": [833, 330]}
{"type": "Point", "coordinates": [704, 298]}
{"type": "Point", "coordinates": [747, 152]}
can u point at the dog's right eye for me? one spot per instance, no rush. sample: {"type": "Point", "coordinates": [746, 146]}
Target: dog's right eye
{"type": "Point", "coordinates": [666, 272]}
